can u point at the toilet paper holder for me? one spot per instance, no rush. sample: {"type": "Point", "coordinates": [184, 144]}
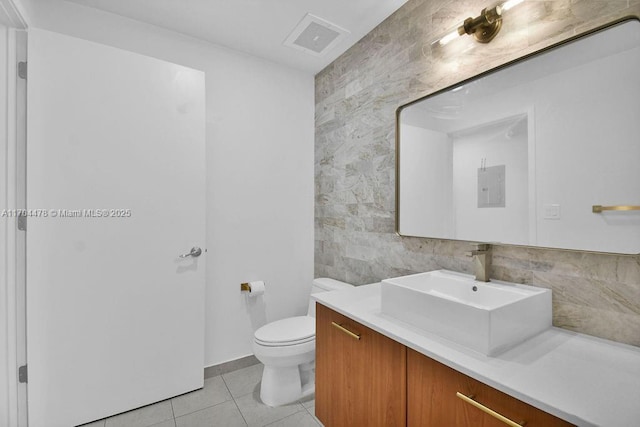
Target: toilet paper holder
{"type": "Point", "coordinates": [253, 289]}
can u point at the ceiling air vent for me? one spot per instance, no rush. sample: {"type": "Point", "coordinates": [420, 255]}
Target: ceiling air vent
{"type": "Point", "coordinates": [314, 35]}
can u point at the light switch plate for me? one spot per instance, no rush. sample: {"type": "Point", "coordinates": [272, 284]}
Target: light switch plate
{"type": "Point", "coordinates": [551, 211]}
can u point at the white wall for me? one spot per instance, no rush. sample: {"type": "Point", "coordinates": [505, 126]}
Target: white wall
{"type": "Point", "coordinates": [260, 136]}
{"type": "Point", "coordinates": [426, 183]}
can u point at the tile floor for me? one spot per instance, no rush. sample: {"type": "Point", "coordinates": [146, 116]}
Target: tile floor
{"type": "Point", "coordinates": [227, 400]}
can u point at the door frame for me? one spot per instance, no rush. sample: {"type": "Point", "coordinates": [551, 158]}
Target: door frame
{"type": "Point", "coordinates": [13, 196]}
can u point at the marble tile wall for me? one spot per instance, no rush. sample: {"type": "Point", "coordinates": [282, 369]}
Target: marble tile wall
{"type": "Point", "coordinates": [356, 99]}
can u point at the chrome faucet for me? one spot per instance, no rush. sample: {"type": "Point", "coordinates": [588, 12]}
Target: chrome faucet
{"type": "Point", "coordinates": [481, 261]}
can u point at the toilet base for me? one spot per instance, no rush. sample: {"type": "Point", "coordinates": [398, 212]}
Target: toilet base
{"type": "Point", "coordinates": [282, 385]}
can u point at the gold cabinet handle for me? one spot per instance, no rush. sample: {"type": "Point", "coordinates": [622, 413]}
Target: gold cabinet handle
{"type": "Point", "coordinates": [346, 331]}
{"type": "Point", "coordinates": [600, 209]}
{"type": "Point", "coordinates": [507, 421]}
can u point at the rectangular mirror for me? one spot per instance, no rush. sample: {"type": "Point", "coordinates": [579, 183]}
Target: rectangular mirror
{"type": "Point", "coordinates": [544, 151]}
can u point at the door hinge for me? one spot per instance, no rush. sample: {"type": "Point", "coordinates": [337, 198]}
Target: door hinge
{"type": "Point", "coordinates": [22, 374]}
{"type": "Point", "coordinates": [22, 223]}
{"type": "Point", "coordinates": [22, 70]}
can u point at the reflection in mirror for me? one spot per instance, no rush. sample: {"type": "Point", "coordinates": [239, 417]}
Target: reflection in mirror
{"type": "Point", "coordinates": [522, 154]}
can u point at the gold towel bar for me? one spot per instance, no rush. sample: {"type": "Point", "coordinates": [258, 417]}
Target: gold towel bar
{"type": "Point", "coordinates": [346, 331]}
{"type": "Point", "coordinates": [507, 421]}
{"type": "Point", "coordinates": [599, 209]}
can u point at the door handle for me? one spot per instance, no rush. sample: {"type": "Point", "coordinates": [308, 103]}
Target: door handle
{"type": "Point", "coordinates": [195, 252]}
{"type": "Point", "coordinates": [470, 400]}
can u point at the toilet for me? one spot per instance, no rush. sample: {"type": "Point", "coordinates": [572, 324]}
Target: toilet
{"type": "Point", "coordinates": [287, 348]}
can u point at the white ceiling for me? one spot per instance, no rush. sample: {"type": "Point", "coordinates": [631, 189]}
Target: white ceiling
{"type": "Point", "coordinates": [257, 27]}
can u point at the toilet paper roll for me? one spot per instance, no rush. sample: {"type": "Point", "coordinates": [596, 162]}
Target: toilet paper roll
{"type": "Point", "coordinates": [257, 288]}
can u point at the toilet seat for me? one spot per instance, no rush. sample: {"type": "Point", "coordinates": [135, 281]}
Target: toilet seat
{"type": "Point", "coordinates": [287, 332]}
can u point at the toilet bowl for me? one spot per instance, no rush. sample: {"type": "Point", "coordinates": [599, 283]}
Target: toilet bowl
{"type": "Point", "coordinates": [286, 347]}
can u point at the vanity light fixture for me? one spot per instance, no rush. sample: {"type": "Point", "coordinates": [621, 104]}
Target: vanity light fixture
{"type": "Point", "coordinates": [483, 27]}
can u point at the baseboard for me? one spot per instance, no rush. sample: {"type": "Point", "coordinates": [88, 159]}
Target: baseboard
{"type": "Point", "coordinates": [230, 366]}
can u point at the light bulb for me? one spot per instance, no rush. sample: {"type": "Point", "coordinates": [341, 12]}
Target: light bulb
{"type": "Point", "coordinates": [511, 3]}
{"type": "Point", "coordinates": [449, 37]}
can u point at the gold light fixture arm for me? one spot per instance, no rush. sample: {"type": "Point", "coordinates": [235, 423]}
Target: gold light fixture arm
{"type": "Point", "coordinates": [484, 27]}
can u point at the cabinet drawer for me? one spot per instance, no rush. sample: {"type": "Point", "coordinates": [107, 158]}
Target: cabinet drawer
{"type": "Point", "coordinates": [433, 400]}
{"type": "Point", "coordinates": [360, 374]}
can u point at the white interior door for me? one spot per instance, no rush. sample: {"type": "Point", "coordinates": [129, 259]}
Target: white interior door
{"type": "Point", "coordinates": [115, 319]}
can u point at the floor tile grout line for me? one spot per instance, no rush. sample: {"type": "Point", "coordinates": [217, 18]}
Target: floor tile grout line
{"type": "Point", "coordinates": [313, 415]}
{"type": "Point", "coordinates": [290, 415]}
{"type": "Point", "coordinates": [286, 416]}
{"type": "Point", "coordinates": [209, 406]}
{"type": "Point", "coordinates": [234, 400]}
{"type": "Point", "coordinates": [240, 412]}
{"type": "Point", "coordinates": [246, 394]}
{"type": "Point", "coordinates": [173, 412]}
{"type": "Point", "coordinates": [204, 409]}
{"type": "Point", "coordinates": [301, 408]}
{"type": "Point", "coordinates": [237, 397]}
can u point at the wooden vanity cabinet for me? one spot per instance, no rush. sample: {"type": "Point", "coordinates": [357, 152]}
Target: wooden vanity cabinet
{"type": "Point", "coordinates": [360, 374]}
{"type": "Point", "coordinates": [365, 379]}
{"type": "Point", "coordinates": [432, 399]}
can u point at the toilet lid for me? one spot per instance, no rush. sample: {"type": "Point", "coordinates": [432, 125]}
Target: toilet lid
{"type": "Point", "coordinates": [293, 330]}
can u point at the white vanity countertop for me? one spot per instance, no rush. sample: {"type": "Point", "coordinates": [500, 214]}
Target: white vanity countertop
{"type": "Point", "coordinates": [584, 380]}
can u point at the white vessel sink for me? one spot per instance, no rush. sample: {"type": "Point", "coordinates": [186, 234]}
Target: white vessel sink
{"type": "Point", "coordinates": [486, 317]}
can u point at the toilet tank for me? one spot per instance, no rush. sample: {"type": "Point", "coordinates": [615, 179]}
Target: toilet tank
{"type": "Point", "coordinates": [324, 284]}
